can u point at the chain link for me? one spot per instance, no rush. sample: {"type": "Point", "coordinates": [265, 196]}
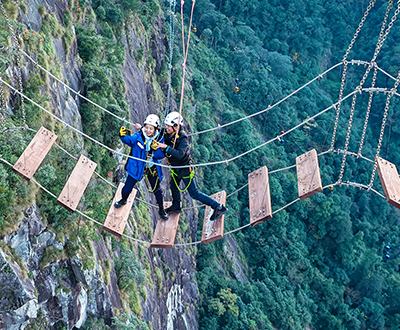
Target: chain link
{"type": "Point", "coordinates": [359, 88]}
{"type": "Point", "coordinates": [371, 93]}
{"type": "Point", "coordinates": [371, 4]}
{"type": "Point", "coordinates": [14, 40]}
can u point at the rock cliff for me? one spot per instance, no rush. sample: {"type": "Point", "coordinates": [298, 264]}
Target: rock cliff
{"type": "Point", "coordinates": [64, 293]}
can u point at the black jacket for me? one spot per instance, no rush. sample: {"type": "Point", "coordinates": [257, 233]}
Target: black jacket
{"type": "Point", "coordinates": [179, 155]}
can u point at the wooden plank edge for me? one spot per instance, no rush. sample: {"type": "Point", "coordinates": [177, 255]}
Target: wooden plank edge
{"type": "Point", "coordinates": [311, 193]}
{"type": "Point", "coordinates": [255, 223]}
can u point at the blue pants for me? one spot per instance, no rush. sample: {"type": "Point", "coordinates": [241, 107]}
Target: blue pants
{"type": "Point", "coordinates": [155, 185]}
{"type": "Point", "coordinates": [194, 192]}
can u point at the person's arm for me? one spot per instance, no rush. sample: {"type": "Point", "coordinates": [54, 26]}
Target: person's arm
{"type": "Point", "coordinates": [130, 140]}
{"type": "Point", "coordinates": [180, 152]}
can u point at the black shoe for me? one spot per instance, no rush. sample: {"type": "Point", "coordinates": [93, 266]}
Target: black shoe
{"type": "Point", "coordinates": [173, 209]}
{"type": "Point", "coordinates": [218, 213]}
{"type": "Point", "coordinates": [162, 213]}
{"type": "Point", "coordinates": [117, 205]}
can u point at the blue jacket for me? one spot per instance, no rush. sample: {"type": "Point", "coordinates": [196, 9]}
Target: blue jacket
{"type": "Point", "coordinates": [135, 168]}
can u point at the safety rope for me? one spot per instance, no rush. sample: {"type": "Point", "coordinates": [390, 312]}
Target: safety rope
{"type": "Point", "coordinates": [226, 161]}
{"type": "Point", "coordinates": [202, 205]}
{"type": "Point", "coordinates": [345, 63]}
{"type": "Point", "coordinates": [191, 175]}
{"type": "Point", "coordinates": [172, 4]}
{"type": "Point", "coordinates": [270, 107]}
{"type": "Point", "coordinates": [157, 181]}
{"type": "Point", "coordinates": [388, 98]}
{"type": "Point", "coordinates": [371, 94]}
{"type": "Point", "coordinates": [352, 62]}
{"type": "Point", "coordinates": [185, 53]}
{"type": "Point", "coordinates": [198, 242]}
{"type": "Point", "coordinates": [14, 43]}
{"type": "Point", "coordinates": [359, 87]}
{"type": "Point", "coordinates": [72, 90]}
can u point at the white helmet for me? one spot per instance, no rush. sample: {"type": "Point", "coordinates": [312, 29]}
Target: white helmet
{"type": "Point", "coordinates": [152, 120]}
{"type": "Point", "coordinates": [173, 118]}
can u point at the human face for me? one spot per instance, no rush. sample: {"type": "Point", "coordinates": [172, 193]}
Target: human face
{"type": "Point", "coordinates": [149, 129]}
{"type": "Point", "coordinates": [169, 129]}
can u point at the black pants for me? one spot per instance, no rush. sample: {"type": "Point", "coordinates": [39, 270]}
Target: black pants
{"type": "Point", "coordinates": [155, 186]}
{"type": "Point", "coordinates": [193, 191]}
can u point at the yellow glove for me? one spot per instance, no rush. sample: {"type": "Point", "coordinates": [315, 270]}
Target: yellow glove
{"type": "Point", "coordinates": [123, 131]}
{"type": "Point", "coordinates": [154, 145]}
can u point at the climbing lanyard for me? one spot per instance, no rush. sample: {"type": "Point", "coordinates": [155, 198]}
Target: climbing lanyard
{"type": "Point", "coordinates": [190, 176]}
{"type": "Point", "coordinates": [153, 172]}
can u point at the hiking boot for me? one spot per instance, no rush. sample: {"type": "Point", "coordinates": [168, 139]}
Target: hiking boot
{"type": "Point", "coordinates": [117, 205]}
{"type": "Point", "coordinates": [218, 212]}
{"type": "Point", "coordinates": [173, 209]}
{"type": "Point", "coordinates": [162, 213]}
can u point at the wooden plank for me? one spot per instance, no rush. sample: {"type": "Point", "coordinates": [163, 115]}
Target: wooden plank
{"type": "Point", "coordinates": [116, 218]}
{"type": "Point", "coordinates": [77, 183]}
{"type": "Point", "coordinates": [390, 181]}
{"type": "Point", "coordinates": [34, 153]}
{"type": "Point", "coordinates": [165, 232]}
{"type": "Point", "coordinates": [213, 230]}
{"type": "Point", "coordinates": [308, 174]}
{"type": "Point", "coordinates": [259, 196]}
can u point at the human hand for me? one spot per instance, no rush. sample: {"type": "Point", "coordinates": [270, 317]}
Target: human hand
{"type": "Point", "coordinates": [154, 145]}
{"type": "Point", "coordinates": [123, 131]}
{"type": "Point", "coordinates": [138, 126]}
{"type": "Point", "coordinates": [161, 145]}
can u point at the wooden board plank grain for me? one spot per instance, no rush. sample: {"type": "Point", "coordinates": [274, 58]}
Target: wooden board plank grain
{"type": "Point", "coordinates": [165, 232]}
{"type": "Point", "coordinates": [34, 153]}
{"type": "Point", "coordinates": [213, 230]}
{"type": "Point", "coordinates": [390, 181]}
{"type": "Point", "coordinates": [116, 218]}
{"type": "Point", "coordinates": [308, 174]}
{"type": "Point", "coordinates": [76, 184]}
{"type": "Point", "coordinates": [259, 196]}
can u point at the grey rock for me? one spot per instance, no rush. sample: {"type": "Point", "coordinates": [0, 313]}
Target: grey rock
{"type": "Point", "coordinates": [46, 238]}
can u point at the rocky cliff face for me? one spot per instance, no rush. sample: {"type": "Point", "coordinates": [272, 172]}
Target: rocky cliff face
{"type": "Point", "coordinates": [64, 293]}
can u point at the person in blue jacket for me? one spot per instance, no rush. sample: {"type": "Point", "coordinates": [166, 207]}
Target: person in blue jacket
{"type": "Point", "coordinates": [143, 145]}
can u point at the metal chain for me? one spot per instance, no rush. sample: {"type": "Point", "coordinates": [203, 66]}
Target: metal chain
{"type": "Point", "coordinates": [389, 96]}
{"type": "Point", "coordinates": [371, 94]}
{"type": "Point", "coordinates": [18, 60]}
{"type": "Point", "coordinates": [371, 4]}
{"type": "Point", "coordinates": [359, 88]}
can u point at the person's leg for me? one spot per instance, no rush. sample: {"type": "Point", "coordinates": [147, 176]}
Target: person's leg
{"type": "Point", "coordinates": [195, 193]}
{"type": "Point", "coordinates": [176, 196]}
{"type": "Point", "coordinates": [155, 186]}
{"type": "Point", "coordinates": [126, 190]}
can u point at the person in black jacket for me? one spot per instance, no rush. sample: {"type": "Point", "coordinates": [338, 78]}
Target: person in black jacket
{"type": "Point", "coordinates": [176, 149]}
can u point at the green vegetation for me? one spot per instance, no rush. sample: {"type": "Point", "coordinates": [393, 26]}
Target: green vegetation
{"type": "Point", "coordinates": [129, 322]}
{"type": "Point", "coordinates": [319, 264]}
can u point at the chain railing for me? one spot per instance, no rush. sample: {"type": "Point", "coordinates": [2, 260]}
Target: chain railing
{"type": "Point", "coordinates": [344, 61]}
{"type": "Point", "coordinates": [359, 87]}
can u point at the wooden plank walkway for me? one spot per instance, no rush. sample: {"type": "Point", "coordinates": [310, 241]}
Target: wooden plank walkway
{"type": "Point", "coordinates": [165, 232]}
{"type": "Point", "coordinates": [259, 196]}
{"type": "Point", "coordinates": [390, 181]}
{"type": "Point", "coordinates": [308, 174]}
{"type": "Point", "coordinates": [34, 153]}
{"type": "Point", "coordinates": [116, 218]}
{"type": "Point", "coordinates": [213, 230]}
{"type": "Point", "coordinates": [76, 184]}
